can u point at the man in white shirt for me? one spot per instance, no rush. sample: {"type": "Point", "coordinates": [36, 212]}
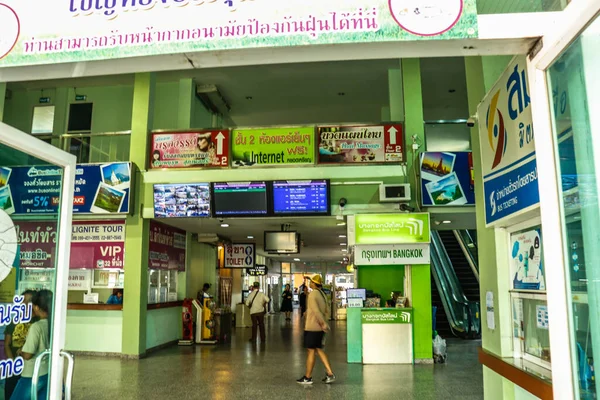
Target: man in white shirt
{"type": "Point", "coordinates": [257, 302]}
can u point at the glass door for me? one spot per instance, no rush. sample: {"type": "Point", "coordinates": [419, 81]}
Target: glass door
{"type": "Point", "coordinates": [36, 204]}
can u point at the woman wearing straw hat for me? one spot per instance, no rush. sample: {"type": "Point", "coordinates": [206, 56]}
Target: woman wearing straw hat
{"type": "Point", "coordinates": [314, 331]}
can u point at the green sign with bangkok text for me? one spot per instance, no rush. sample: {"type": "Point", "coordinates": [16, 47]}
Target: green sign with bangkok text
{"type": "Point", "coordinates": [273, 147]}
{"type": "Point", "coordinates": [397, 316]}
{"type": "Point", "coordinates": [392, 228]}
{"type": "Point", "coordinates": [86, 30]}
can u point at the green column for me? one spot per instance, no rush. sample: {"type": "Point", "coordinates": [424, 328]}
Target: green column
{"type": "Point", "coordinates": [2, 98]}
{"type": "Point", "coordinates": [61, 113]}
{"type": "Point", "coordinates": [185, 111]}
{"type": "Point", "coordinates": [137, 229]}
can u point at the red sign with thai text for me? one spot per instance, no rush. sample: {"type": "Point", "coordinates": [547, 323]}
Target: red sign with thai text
{"type": "Point", "coordinates": [190, 149]}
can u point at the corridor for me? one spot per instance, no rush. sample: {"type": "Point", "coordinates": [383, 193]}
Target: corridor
{"type": "Point", "coordinates": [240, 370]}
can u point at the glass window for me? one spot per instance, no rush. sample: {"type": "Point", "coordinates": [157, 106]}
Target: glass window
{"type": "Point", "coordinates": [573, 86]}
{"type": "Point", "coordinates": [43, 120]}
{"type": "Point", "coordinates": [520, 6]}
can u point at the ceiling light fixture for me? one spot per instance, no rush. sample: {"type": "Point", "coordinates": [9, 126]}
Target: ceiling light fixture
{"type": "Point", "coordinates": [250, 237]}
{"type": "Point", "coordinates": [296, 259]}
{"type": "Point", "coordinates": [343, 244]}
{"type": "Point", "coordinates": [446, 222]}
{"type": "Point", "coordinates": [341, 224]}
{"type": "Point", "coordinates": [344, 250]}
{"type": "Point", "coordinates": [224, 225]}
{"type": "Point", "coordinates": [342, 236]}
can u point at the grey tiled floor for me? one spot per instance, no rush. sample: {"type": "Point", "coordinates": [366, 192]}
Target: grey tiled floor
{"type": "Point", "coordinates": [241, 370]}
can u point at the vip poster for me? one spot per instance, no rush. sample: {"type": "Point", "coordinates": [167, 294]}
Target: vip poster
{"type": "Point", "coordinates": [446, 179]}
{"type": "Point", "coordinates": [99, 189]}
{"type": "Point", "coordinates": [361, 144]}
{"type": "Point", "coordinates": [527, 264]}
{"type": "Point", "coordinates": [167, 247]}
{"type": "Point", "coordinates": [190, 149]}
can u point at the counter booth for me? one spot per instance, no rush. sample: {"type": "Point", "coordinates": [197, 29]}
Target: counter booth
{"type": "Point", "coordinates": [389, 312]}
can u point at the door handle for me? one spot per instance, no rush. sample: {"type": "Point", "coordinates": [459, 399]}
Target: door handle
{"type": "Point", "coordinates": [36, 373]}
{"type": "Point", "coordinates": [70, 369]}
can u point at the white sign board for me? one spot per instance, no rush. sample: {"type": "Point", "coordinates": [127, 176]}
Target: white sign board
{"type": "Point", "coordinates": [507, 147]}
{"type": "Point", "coordinates": [80, 279]}
{"type": "Point", "coordinates": [238, 255]}
{"type": "Point", "coordinates": [392, 254]}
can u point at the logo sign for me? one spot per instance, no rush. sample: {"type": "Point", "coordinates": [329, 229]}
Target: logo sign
{"type": "Point", "coordinates": [166, 247]}
{"type": "Point", "coordinates": [258, 270]}
{"type": "Point", "coordinates": [392, 228]}
{"type": "Point", "coordinates": [392, 254]}
{"type": "Point", "coordinates": [361, 144]}
{"type": "Point", "coordinates": [273, 146]}
{"type": "Point", "coordinates": [99, 189]}
{"type": "Point", "coordinates": [399, 316]}
{"type": "Point", "coordinates": [446, 179]}
{"type": "Point", "coordinates": [507, 147]}
{"type": "Point", "coordinates": [190, 149]}
{"type": "Point", "coordinates": [240, 255]}
{"type": "Point", "coordinates": [95, 30]}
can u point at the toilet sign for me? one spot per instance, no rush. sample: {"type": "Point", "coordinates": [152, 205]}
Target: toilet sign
{"type": "Point", "coordinates": [238, 255]}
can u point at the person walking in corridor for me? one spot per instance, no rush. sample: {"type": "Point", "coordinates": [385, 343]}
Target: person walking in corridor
{"type": "Point", "coordinates": [314, 332]}
{"type": "Point", "coordinates": [257, 302]}
{"type": "Point", "coordinates": [286, 305]}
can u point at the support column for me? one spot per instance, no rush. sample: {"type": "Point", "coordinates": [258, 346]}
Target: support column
{"type": "Point", "coordinates": [2, 99]}
{"type": "Point", "coordinates": [185, 111]}
{"type": "Point", "coordinates": [138, 229]}
{"type": "Point", "coordinates": [61, 115]}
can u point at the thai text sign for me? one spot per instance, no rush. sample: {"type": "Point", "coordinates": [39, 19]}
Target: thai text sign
{"type": "Point", "coordinates": [190, 149]}
{"type": "Point", "coordinates": [507, 146]}
{"type": "Point", "coordinates": [392, 228]}
{"type": "Point", "coordinates": [99, 189]}
{"type": "Point", "coordinates": [94, 244]}
{"type": "Point", "coordinates": [167, 247]}
{"type": "Point", "coordinates": [240, 255]}
{"type": "Point", "coordinates": [273, 146]}
{"type": "Point", "coordinates": [258, 270]}
{"type": "Point", "coordinates": [392, 254]}
{"type": "Point", "coordinates": [361, 144]}
{"type": "Point", "coordinates": [398, 316]}
{"type": "Point", "coordinates": [80, 279]}
{"type": "Point", "coordinates": [83, 30]}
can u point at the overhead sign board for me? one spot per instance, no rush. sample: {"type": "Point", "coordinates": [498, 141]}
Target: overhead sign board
{"type": "Point", "coordinates": [167, 247]}
{"type": "Point", "coordinates": [392, 254]}
{"type": "Point", "coordinates": [97, 30]}
{"type": "Point", "coordinates": [99, 189]}
{"type": "Point", "coordinates": [239, 255]}
{"type": "Point", "coordinates": [258, 270]}
{"type": "Point", "coordinates": [257, 147]}
{"type": "Point", "coordinates": [446, 179]}
{"type": "Point", "coordinates": [392, 228]}
{"type": "Point", "coordinates": [361, 144]}
{"type": "Point", "coordinates": [190, 149]}
{"type": "Point", "coordinates": [510, 179]}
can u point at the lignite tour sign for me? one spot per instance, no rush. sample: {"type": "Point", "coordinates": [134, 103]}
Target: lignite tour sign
{"type": "Point", "coordinates": [84, 30]}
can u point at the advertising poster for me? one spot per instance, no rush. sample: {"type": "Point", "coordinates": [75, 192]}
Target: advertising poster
{"type": "Point", "coordinates": [240, 255]}
{"type": "Point", "coordinates": [273, 147]}
{"type": "Point", "coordinates": [99, 189]}
{"type": "Point", "coordinates": [509, 167]}
{"type": "Point", "coordinates": [98, 30]}
{"type": "Point", "coordinates": [98, 244]}
{"type": "Point", "coordinates": [94, 244]}
{"type": "Point", "coordinates": [190, 149]}
{"type": "Point", "coordinates": [446, 179]}
{"type": "Point", "coordinates": [167, 247]}
{"type": "Point", "coordinates": [361, 144]}
{"type": "Point", "coordinates": [527, 264]}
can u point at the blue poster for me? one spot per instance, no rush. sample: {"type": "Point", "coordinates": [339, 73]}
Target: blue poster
{"type": "Point", "coordinates": [99, 189]}
{"type": "Point", "coordinates": [446, 179]}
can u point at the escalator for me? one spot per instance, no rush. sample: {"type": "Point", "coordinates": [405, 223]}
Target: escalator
{"type": "Point", "coordinates": [455, 283]}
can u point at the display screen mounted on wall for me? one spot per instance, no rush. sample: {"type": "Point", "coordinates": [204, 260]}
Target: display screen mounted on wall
{"type": "Point", "coordinates": [240, 199]}
{"type": "Point", "coordinates": [282, 242]}
{"type": "Point", "coordinates": [446, 179]}
{"type": "Point", "coordinates": [356, 294]}
{"type": "Point", "coordinates": [301, 197]}
{"type": "Point", "coordinates": [182, 200]}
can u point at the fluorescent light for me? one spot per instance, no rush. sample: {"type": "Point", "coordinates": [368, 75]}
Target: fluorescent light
{"type": "Point", "coordinates": [343, 244]}
{"type": "Point", "coordinates": [341, 224]}
{"type": "Point", "coordinates": [224, 225]}
{"type": "Point", "coordinates": [296, 259]}
{"type": "Point", "coordinates": [446, 222]}
{"type": "Point", "coordinates": [342, 236]}
{"type": "Point", "coordinates": [250, 237]}
{"type": "Point", "coordinates": [344, 251]}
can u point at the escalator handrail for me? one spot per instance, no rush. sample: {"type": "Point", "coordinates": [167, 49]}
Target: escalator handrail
{"type": "Point", "coordinates": [468, 255]}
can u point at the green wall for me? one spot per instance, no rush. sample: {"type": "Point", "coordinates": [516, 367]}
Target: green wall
{"type": "Point", "coordinates": [94, 331]}
{"type": "Point", "coordinates": [381, 279]}
{"type": "Point", "coordinates": [163, 326]}
{"type": "Point", "coordinates": [202, 267]}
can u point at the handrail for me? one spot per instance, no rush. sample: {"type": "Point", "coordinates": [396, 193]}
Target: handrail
{"type": "Point", "coordinates": [36, 373]}
{"type": "Point", "coordinates": [468, 255]}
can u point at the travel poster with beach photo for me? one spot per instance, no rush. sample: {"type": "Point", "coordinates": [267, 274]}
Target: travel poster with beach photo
{"type": "Point", "coordinates": [446, 179]}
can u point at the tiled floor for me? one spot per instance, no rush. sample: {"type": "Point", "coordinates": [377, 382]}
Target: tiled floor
{"type": "Point", "coordinates": [241, 370]}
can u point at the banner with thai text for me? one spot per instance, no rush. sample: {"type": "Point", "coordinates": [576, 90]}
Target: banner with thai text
{"type": "Point", "coordinates": [190, 149]}
{"type": "Point", "coordinates": [167, 247]}
{"type": "Point", "coordinates": [361, 144]}
{"type": "Point", "coordinates": [84, 30]}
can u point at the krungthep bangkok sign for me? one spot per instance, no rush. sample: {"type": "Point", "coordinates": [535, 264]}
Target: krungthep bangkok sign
{"type": "Point", "coordinates": [54, 31]}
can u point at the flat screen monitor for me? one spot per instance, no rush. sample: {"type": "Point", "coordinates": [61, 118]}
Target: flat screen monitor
{"type": "Point", "coordinates": [282, 242]}
{"type": "Point", "coordinates": [301, 197]}
{"type": "Point", "coordinates": [182, 200]}
{"type": "Point", "coordinates": [240, 199]}
{"type": "Point", "coordinates": [356, 294]}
